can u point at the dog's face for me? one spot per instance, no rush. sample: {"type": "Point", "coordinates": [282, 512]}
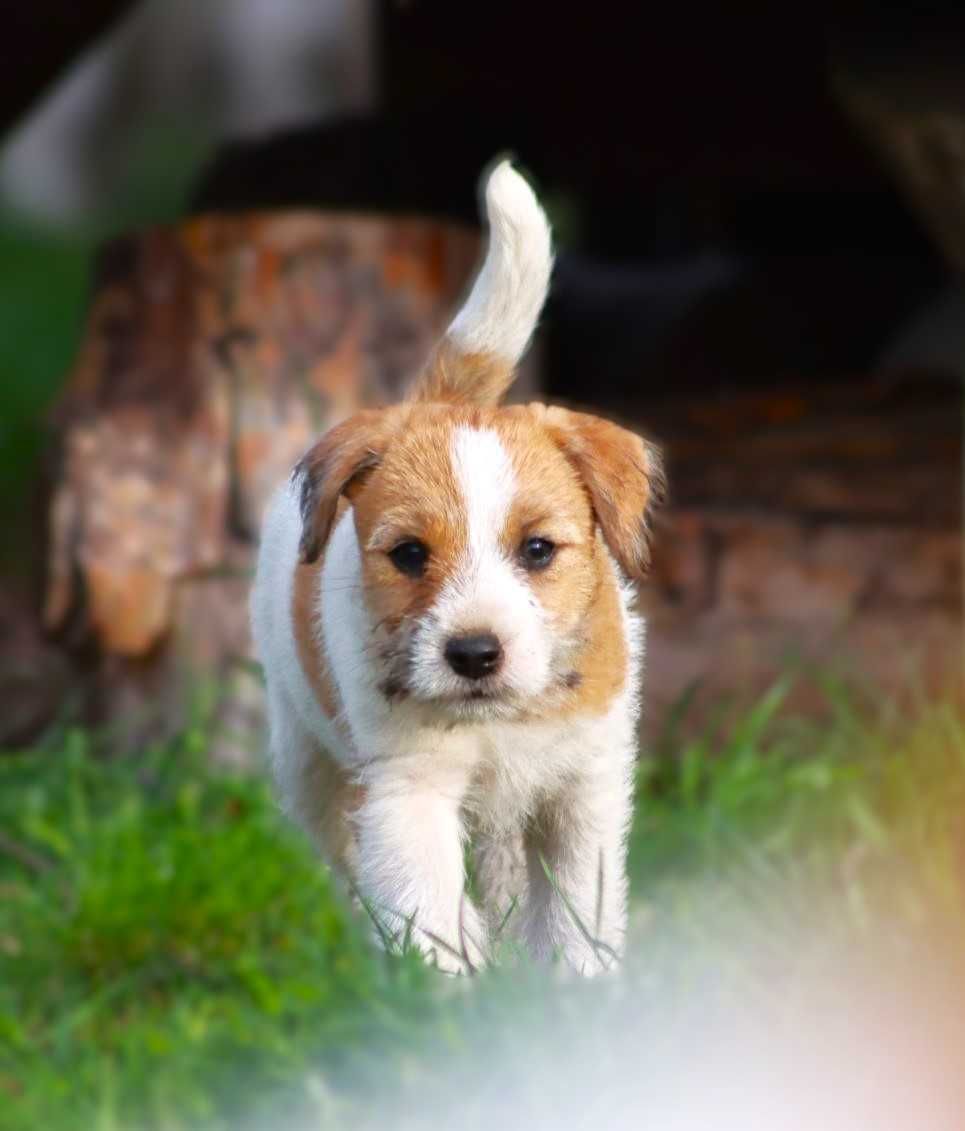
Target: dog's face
{"type": "Point", "coordinates": [478, 530]}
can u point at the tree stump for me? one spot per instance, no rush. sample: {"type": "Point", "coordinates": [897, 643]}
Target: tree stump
{"type": "Point", "coordinates": [814, 524]}
{"type": "Point", "coordinates": [214, 352]}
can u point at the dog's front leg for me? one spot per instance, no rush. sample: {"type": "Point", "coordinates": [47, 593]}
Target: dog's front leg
{"type": "Point", "coordinates": [501, 878]}
{"type": "Point", "coordinates": [411, 870]}
{"type": "Point", "coordinates": [577, 869]}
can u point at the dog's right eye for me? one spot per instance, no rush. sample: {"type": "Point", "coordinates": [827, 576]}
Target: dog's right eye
{"type": "Point", "coordinates": [410, 558]}
{"type": "Point", "coordinates": [537, 553]}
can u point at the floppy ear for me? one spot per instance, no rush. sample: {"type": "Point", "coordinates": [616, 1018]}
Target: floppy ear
{"type": "Point", "coordinates": [623, 475]}
{"type": "Point", "coordinates": [337, 466]}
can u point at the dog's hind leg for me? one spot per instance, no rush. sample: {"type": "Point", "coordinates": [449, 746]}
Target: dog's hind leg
{"type": "Point", "coordinates": [313, 789]}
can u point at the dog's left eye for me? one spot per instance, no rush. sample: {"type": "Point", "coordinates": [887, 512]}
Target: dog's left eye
{"type": "Point", "coordinates": [410, 558]}
{"type": "Point", "coordinates": [537, 552]}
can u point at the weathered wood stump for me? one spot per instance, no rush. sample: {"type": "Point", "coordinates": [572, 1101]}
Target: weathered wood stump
{"type": "Point", "coordinates": [814, 524]}
{"type": "Point", "coordinates": [214, 352]}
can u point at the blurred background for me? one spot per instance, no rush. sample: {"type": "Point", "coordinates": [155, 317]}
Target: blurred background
{"type": "Point", "coordinates": [226, 225]}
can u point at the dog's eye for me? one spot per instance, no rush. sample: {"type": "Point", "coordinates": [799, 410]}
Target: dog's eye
{"type": "Point", "coordinates": [537, 552]}
{"type": "Point", "coordinates": [410, 558]}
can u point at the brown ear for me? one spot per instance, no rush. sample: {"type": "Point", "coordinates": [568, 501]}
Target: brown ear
{"type": "Point", "coordinates": [335, 466]}
{"type": "Point", "coordinates": [623, 475]}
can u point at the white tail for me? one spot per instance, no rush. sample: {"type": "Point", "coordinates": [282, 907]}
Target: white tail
{"type": "Point", "coordinates": [475, 360]}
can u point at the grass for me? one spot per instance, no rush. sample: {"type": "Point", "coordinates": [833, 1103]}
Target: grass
{"type": "Point", "coordinates": [172, 955]}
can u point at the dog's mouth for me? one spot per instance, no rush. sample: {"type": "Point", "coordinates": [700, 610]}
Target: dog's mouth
{"type": "Point", "coordinates": [491, 687]}
{"type": "Point", "coordinates": [478, 705]}
{"type": "Point", "coordinates": [396, 688]}
{"type": "Point", "coordinates": [475, 694]}
{"type": "Point", "coordinates": [481, 697]}
{"type": "Point", "coordinates": [475, 700]}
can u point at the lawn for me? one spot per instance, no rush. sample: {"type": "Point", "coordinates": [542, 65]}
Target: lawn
{"type": "Point", "coordinates": [173, 956]}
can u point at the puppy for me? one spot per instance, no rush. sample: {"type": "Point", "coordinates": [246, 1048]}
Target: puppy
{"type": "Point", "coordinates": [443, 608]}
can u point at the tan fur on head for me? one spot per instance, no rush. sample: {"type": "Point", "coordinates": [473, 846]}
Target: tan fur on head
{"type": "Point", "coordinates": [624, 476]}
{"type": "Point", "coordinates": [334, 467]}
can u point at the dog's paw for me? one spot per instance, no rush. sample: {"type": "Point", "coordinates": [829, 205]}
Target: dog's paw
{"type": "Point", "coordinates": [462, 955]}
{"type": "Point", "coordinates": [451, 964]}
{"type": "Point", "coordinates": [589, 959]}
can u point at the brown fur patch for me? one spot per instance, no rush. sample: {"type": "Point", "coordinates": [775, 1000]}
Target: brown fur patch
{"type": "Point", "coordinates": [413, 496]}
{"type": "Point", "coordinates": [336, 466]}
{"type": "Point", "coordinates": [454, 377]}
{"type": "Point", "coordinates": [550, 502]}
{"type": "Point", "coordinates": [306, 627]}
{"type": "Point", "coordinates": [329, 797]}
{"type": "Point", "coordinates": [343, 797]}
{"type": "Point", "coordinates": [578, 588]}
{"type": "Point", "coordinates": [623, 475]}
{"type": "Point", "coordinates": [307, 643]}
{"type": "Point", "coordinates": [602, 663]}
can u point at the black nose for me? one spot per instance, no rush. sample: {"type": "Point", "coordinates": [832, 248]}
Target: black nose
{"type": "Point", "coordinates": [474, 656]}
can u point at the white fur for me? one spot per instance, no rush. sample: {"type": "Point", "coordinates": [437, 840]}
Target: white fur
{"type": "Point", "coordinates": [429, 783]}
{"type": "Point", "coordinates": [293, 711]}
{"type": "Point", "coordinates": [437, 768]}
{"type": "Point", "coordinates": [503, 307]}
{"type": "Point", "coordinates": [486, 593]}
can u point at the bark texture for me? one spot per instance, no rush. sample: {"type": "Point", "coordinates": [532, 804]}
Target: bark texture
{"type": "Point", "coordinates": [215, 352]}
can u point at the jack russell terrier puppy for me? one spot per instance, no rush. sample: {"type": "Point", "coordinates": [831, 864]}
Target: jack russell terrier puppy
{"type": "Point", "coordinates": [444, 611]}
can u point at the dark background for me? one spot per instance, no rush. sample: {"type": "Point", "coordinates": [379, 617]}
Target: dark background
{"type": "Point", "coordinates": [720, 218]}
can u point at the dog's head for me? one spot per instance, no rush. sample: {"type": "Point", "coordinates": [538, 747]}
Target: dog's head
{"type": "Point", "coordinates": [484, 531]}
{"type": "Point", "coordinates": [484, 535]}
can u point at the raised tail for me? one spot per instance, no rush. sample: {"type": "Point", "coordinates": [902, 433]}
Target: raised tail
{"type": "Point", "coordinates": [476, 360]}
